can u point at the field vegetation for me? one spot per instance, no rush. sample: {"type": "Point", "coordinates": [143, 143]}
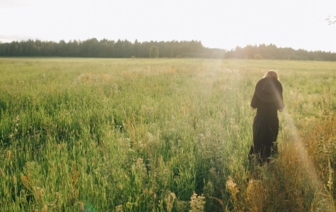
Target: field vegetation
{"type": "Point", "coordinates": [161, 135]}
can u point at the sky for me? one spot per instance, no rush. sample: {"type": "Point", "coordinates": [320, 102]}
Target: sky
{"type": "Point", "coordinates": [225, 24]}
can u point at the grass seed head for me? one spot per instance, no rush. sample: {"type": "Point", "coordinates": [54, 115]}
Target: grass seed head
{"type": "Point", "coordinates": [45, 208]}
{"type": "Point", "coordinates": [9, 153]}
{"type": "Point", "coordinates": [170, 198]}
{"type": "Point", "coordinates": [81, 206]}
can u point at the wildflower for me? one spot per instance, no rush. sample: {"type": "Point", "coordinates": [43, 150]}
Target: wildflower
{"type": "Point", "coordinates": [197, 203]}
{"type": "Point", "coordinates": [232, 186]}
{"type": "Point", "coordinates": [119, 208]}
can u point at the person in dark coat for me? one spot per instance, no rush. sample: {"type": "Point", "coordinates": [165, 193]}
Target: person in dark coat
{"type": "Point", "coordinates": [268, 100]}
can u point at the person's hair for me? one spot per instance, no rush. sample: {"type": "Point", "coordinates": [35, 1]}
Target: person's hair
{"type": "Point", "coordinates": [271, 73]}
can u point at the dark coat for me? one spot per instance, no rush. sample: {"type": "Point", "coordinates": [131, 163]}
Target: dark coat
{"type": "Point", "coordinates": [265, 127]}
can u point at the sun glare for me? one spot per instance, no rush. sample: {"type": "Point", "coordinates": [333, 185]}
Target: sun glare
{"type": "Point", "coordinates": [306, 165]}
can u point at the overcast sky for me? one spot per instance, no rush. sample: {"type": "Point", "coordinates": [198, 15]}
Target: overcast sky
{"type": "Point", "coordinates": [299, 24]}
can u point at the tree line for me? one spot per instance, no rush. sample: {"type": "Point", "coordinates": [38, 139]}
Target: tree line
{"type": "Point", "coordinates": [164, 49]}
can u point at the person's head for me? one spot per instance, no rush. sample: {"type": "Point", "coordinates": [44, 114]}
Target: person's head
{"type": "Point", "coordinates": [271, 73]}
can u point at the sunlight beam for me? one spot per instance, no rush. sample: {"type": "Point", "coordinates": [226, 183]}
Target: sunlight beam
{"type": "Point", "coordinates": [306, 163]}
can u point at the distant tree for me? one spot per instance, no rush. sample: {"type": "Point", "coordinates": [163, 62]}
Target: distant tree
{"type": "Point", "coordinates": [135, 50]}
{"type": "Point", "coordinates": [154, 52]}
{"type": "Point", "coordinates": [258, 56]}
{"type": "Point", "coordinates": [62, 51]}
{"type": "Point", "coordinates": [331, 20]}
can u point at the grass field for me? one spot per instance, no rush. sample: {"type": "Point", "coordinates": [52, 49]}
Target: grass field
{"type": "Point", "coordinates": [161, 135]}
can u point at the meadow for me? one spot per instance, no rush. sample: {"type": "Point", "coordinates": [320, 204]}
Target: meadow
{"type": "Point", "coordinates": [161, 135]}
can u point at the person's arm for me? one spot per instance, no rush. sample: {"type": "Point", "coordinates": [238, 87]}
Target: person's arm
{"type": "Point", "coordinates": [254, 101]}
{"type": "Point", "coordinates": [281, 105]}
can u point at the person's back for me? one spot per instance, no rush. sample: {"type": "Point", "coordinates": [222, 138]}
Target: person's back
{"type": "Point", "coordinates": [267, 99]}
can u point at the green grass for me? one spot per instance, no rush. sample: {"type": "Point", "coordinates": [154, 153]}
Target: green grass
{"type": "Point", "coordinates": [144, 135]}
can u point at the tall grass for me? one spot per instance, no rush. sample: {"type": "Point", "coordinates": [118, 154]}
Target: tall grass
{"type": "Point", "coordinates": [161, 135]}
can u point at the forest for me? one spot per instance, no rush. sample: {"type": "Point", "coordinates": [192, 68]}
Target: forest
{"type": "Point", "coordinates": [105, 48]}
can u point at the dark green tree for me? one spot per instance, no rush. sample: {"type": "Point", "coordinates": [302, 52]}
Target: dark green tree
{"type": "Point", "coordinates": [154, 52]}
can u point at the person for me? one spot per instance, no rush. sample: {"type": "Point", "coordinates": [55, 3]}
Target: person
{"type": "Point", "coordinates": [267, 99]}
